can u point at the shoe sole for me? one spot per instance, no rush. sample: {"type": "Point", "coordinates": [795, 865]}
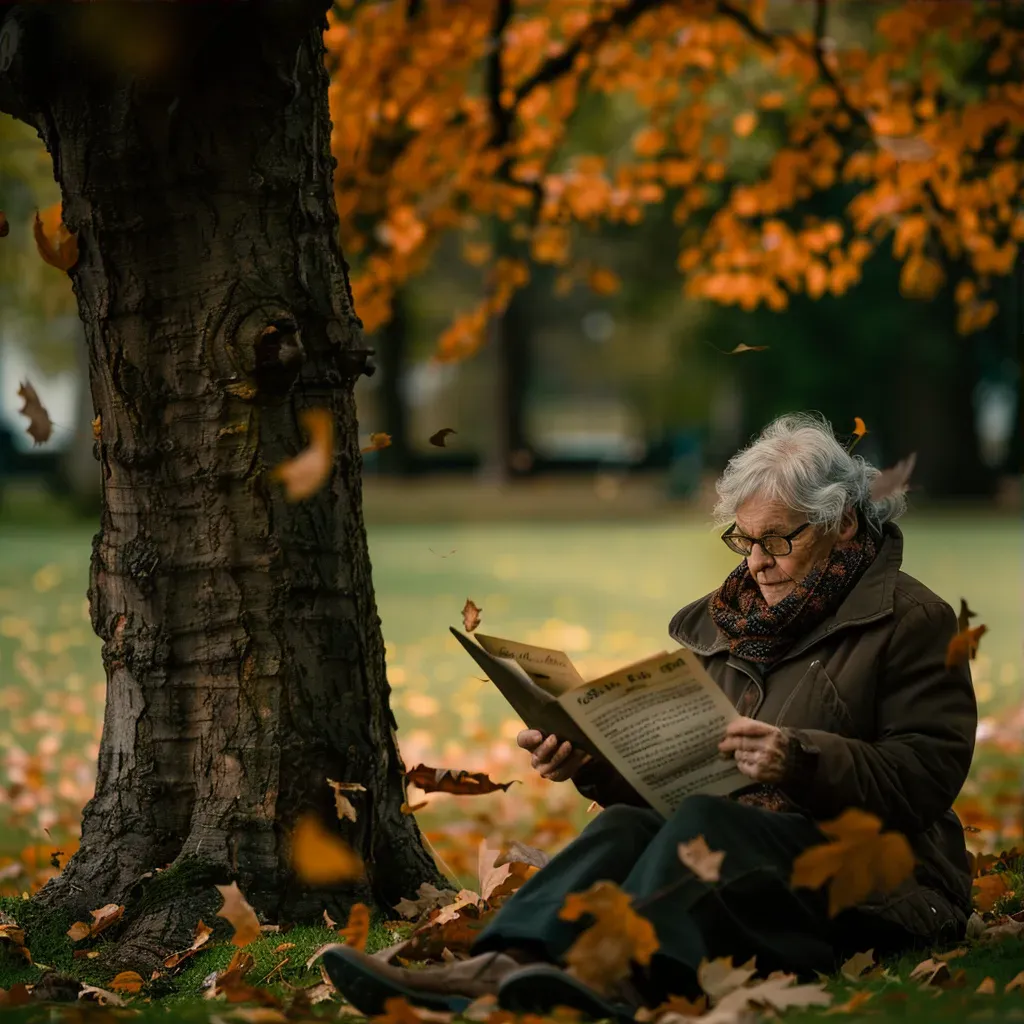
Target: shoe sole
{"type": "Point", "coordinates": [369, 992]}
{"type": "Point", "coordinates": [539, 990]}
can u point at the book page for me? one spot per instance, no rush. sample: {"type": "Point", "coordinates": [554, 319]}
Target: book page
{"type": "Point", "coordinates": [659, 723]}
{"type": "Point", "coordinates": [550, 670]}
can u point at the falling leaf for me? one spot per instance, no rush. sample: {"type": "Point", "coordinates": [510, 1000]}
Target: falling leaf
{"type": "Point", "coordinates": [449, 780]}
{"type": "Point", "coordinates": [320, 857]}
{"type": "Point", "coordinates": [40, 427]}
{"type": "Point", "coordinates": [437, 440]}
{"type": "Point", "coordinates": [413, 808]}
{"type": "Point", "coordinates": [719, 977]}
{"type": "Point", "coordinates": [200, 938]}
{"type": "Point", "coordinates": [127, 981]}
{"type": "Point", "coordinates": [281, 947]}
{"type": "Point", "coordinates": [705, 863]}
{"type": "Point", "coordinates": [619, 936]}
{"type": "Point", "coordinates": [57, 246]}
{"type": "Point", "coordinates": [852, 1005]}
{"type": "Point", "coordinates": [5, 228]}
{"type": "Point", "coordinates": [439, 555]}
{"type": "Point", "coordinates": [304, 475]}
{"type": "Point", "coordinates": [470, 615]}
{"type": "Point", "coordinates": [987, 987]}
{"type": "Point", "coordinates": [861, 859]}
{"type": "Point", "coordinates": [964, 646]}
{"type": "Point", "coordinates": [963, 620]}
{"type": "Point", "coordinates": [103, 918]}
{"type": "Point", "coordinates": [519, 853]}
{"type": "Point", "coordinates": [357, 929]}
{"type": "Point", "coordinates": [341, 802]}
{"type": "Point", "coordinates": [741, 347]}
{"type": "Point", "coordinates": [377, 442]}
{"type": "Point", "coordinates": [239, 914]}
{"type": "Point", "coordinates": [894, 480]}
{"type": "Point", "coordinates": [853, 968]}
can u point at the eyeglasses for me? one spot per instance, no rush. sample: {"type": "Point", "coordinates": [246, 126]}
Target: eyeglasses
{"type": "Point", "coordinates": [771, 543]}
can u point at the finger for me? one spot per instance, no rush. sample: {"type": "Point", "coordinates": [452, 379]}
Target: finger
{"type": "Point", "coordinates": [543, 753]}
{"type": "Point", "coordinates": [741, 743]}
{"type": "Point", "coordinates": [528, 739]}
{"type": "Point", "coordinates": [748, 727]}
{"type": "Point", "coordinates": [560, 755]}
{"type": "Point", "coordinates": [567, 769]}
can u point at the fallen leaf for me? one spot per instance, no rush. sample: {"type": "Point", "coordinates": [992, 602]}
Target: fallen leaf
{"type": "Point", "coordinates": [200, 938]}
{"type": "Point", "coordinates": [861, 859]}
{"type": "Point", "coordinates": [5, 228]}
{"type": "Point", "coordinates": [40, 426]}
{"type": "Point", "coordinates": [397, 1010]}
{"type": "Point", "coordinates": [429, 898]}
{"type": "Point", "coordinates": [320, 857]}
{"type": "Point", "coordinates": [777, 992]}
{"type": "Point", "coordinates": [283, 946]}
{"type": "Point", "coordinates": [857, 965]}
{"type": "Point", "coordinates": [964, 646]}
{"type": "Point", "coordinates": [1017, 981]}
{"type": "Point", "coordinates": [93, 994]}
{"type": "Point", "coordinates": [1000, 932]}
{"type": "Point", "coordinates": [357, 929]}
{"type": "Point", "coordinates": [852, 1005]}
{"type": "Point", "coordinates": [678, 1005]}
{"type": "Point", "coordinates": [305, 474]}
{"type": "Point", "coordinates": [470, 616]}
{"type": "Point", "coordinates": [15, 935]}
{"type": "Point", "coordinates": [127, 981]}
{"type": "Point", "coordinates": [987, 889]}
{"type": "Point", "coordinates": [465, 898]}
{"type": "Point", "coordinates": [102, 919]}
{"type": "Point", "coordinates": [57, 246]}
{"type": "Point", "coordinates": [239, 915]}
{"type": "Point", "coordinates": [705, 863]}
{"type": "Point", "coordinates": [519, 853]}
{"type": "Point", "coordinates": [377, 442]}
{"type": "Point", "coordinates": [437, 440]}
{"type": "Point", "coordinates": [16, 995]}
{"type": "Point", "coordinates": [319, 993]}
{"type": "Point", "coordinates": [342, 804]}
{"type": "Point", "coordinates": [894, 480]}
{"type": "Point", "coordinates": [741, 347]}
{"type": "Point", "coordinates": [720, 976]}
{"type": "Point", "coordinates": [951, 955]}
{"type": "Point", "coordinates": [619, 936]}
{"type": "Point", "coordinates": [930, 972]}
{"type": "Point", "coordinates": [450, 780]}
{"type": "Point", "coordinates": [259, 1015]}
{"type": "Point", "coordinates": [987, 987]}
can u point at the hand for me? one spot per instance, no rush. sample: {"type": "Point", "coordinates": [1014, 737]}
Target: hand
{"type": "Point", "coordinates": [554, 759]}
{"type": "Point", "coordinates": [762, 752]}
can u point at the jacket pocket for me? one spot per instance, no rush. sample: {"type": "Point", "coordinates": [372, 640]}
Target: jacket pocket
{"type": "Point", "coordinates": [814, 703]}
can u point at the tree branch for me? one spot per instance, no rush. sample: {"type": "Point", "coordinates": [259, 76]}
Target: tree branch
{"type": "Point", "coordinates": [494, 77]}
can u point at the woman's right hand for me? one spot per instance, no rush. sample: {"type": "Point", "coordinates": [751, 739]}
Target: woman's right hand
{"type": "Point", "coordinates": [553, 758]}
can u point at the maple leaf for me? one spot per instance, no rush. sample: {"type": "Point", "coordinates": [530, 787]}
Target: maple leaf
{"type": "Point", "coordinates": [357, 928]}
{"type": "Point", "coordinates": [127, 981]}
{"type": "Point", "coordinates": [341, 802]}
{"type": "Point", "coordinates": [705, 863]}
{"type": "Point", "coordinates": [720, 976]}
{"type": "Point", "coordinates": [103, 918]}
{"type": "Point", "coordinates": [57, 246]}
{"type": "Point", "coordinates": [894, 480]}
{"type": "Point", "coordinates": [853, 968]}
{"type": "Point", "coordinates": [450, 780]}
{"type": "Point", "coordinates": [777, 992]}
{"type": "Point", "coordinates": [40, 426]}
{"type": "Point", "coordinates": [429, 898]}
{"type": "Point", "coordinates": [470, 616]}
{"type": "Point", "coordinates": [619, 936]}
{"type": "Point", "coordinates": [437, 439]}
{"type": "Point", "coordinates": [5, 228]}
{"type": "Point", "coordinates": [852, 1005]}
{"type": "Point", "coordinates": [321, 858]}
{"type": "Point", "coordinates": [964, 646]}
{"type": "Point", "coordinates": [861, 859]}
{"type": "Point", "coordinates": [519, 853]}
{"type": "Point", "coordinates": [678, 1005]}
{"type": "Point", "coordinates": [199, 939]}
{"type": "Point", "coordinates": [741, 347]}
{"type": "Point", "coordinates": [239, 915]}
{"type": "Point", "coordinates": [305, 474]}
{"type": "Point", "coordinates": [377, 443]}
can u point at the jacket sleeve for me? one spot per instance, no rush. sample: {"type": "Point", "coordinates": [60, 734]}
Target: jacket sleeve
{"type": "Point", "coordinates": [926, 724]}
{"type": "Point", "coordinates": [597, 780]}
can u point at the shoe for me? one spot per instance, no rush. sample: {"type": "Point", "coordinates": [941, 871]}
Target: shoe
{"type": "Point", "coordinates": [368, 983]}
{"type": "Point", "coordinates": [539, 988]}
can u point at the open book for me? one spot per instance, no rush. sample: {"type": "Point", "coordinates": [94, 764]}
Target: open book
{"type": "Point", "coordinates": [657, 722]}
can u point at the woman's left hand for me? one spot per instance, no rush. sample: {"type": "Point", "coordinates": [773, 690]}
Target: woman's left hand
{"type": "Point", "coordinates": [762, 751]}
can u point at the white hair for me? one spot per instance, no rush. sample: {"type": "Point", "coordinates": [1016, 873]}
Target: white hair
{"type": "Point", "coordinates": [797, 461]}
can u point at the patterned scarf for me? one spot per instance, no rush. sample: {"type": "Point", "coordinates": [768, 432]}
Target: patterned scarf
{"type": "Point", "coordinates": [761, 632]}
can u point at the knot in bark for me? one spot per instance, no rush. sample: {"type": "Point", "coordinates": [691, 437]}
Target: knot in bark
{"type": "Point", "coordinates": [264, 348]}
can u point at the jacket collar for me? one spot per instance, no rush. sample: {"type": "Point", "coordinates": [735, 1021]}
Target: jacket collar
{"type": "Point", "coordinates": [870, 599]}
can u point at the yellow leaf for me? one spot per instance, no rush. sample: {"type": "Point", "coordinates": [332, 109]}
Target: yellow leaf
{"type": "Point", "coordinates": [987, 987]}
{"type": "Point", "coordinates": [859, 429]}
{"type": "Point", "coordinates": [357, 930]}
{"type": "Point", "coordinates": [377, 442]}
{"type": "Point", "coordinates": [127, 981]}
{"type": "Point", "coordinates": [705, 863]}
{"type": "Point", "coordinates": [239, 914]}
{"type": "Point", "coordinates": [78, 931]}
{"type": "Point", "coordinates": [321, 858]}
{"type": "Point", "coordinates": [857, 965]}
{"type": "Point", "coordinates": [304, 475]}
{"type": "Point", "coordinates": [719, 977]}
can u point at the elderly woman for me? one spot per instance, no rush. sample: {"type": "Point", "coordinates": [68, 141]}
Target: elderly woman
{"type": "Point", "coordinates": [835, 660]}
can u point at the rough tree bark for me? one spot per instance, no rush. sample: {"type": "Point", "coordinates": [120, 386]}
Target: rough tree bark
{"type": "Point", "coordinates": [241, 641]}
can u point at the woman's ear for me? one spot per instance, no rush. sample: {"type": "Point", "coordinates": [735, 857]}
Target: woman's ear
{"type": "Point", "coordinates": [849, 525]}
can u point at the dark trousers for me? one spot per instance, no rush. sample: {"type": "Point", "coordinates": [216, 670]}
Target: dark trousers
{"type": "Point", "coordinates": [750, 911]}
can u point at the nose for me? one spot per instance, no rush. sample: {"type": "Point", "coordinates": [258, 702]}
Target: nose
{"type": "Point", "coordinates": [758, 560]}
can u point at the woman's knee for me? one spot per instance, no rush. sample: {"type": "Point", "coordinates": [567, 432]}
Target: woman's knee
{"type": "Point", "coordinates": [703, 815]}
{"type": "Point", "coordinates": [623, 823]}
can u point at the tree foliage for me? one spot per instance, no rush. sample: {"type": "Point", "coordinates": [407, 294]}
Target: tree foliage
{"type": "Point", "coordinates": [739, 113]}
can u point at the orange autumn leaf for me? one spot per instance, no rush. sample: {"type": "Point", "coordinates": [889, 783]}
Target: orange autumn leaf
{"type": "Point", "coordinates": [987, 890]}
{"type": "Point", "coordinates": [126, 981]}
{"type": "Point", "coordinates": [239, 914]}
{"type": "Point", "coordinates": [744, 123]}
{"type": "Point", "coordinates": [859, 860]}
{"type": "Point", "coordinates": [200, 938]}
{"type": "Point", "coordinates": [704, 862]}
{"type": "Point", "coordinates": [859, 428]}
{"type": "Point", "coordinates": [102, 919]}
{"type": "Point", "coordinates": [357, 928]}
{"type": "Point", "coordinates": [437, 439]}
{"type": "Point", "coordinates": [320, 857]}
{"type": "Point", "coordinates": [377, 443]}
{"type": "Point", "coordinates": [470, 616]}
{"type": "Point", "coordinates": [964, 646]}
{"type": "Point", "coordinates": [40, 426]}
{"type": "Point", "coordinates": [57, 246]}
{"type": "Point", "coordinates": [604, 953]}
{"type": "Point", "coordinates": [305, 474]}
{"type": "Point", "coordinates": [450, 780]}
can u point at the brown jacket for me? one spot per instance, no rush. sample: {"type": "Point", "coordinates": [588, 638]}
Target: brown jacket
{"type": "Point", "coordinates": [886, 727]}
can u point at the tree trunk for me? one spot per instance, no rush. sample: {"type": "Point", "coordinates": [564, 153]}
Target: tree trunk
{"type": "Point", "coordinates": [241, 641]}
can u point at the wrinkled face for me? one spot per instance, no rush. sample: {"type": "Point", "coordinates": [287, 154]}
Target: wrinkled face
{"type": "Point", "coordinates": [777, 576]}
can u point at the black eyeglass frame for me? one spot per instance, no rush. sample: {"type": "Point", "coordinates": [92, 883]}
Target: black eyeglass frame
{"type": "Point", "coordinates": [728, 537]}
